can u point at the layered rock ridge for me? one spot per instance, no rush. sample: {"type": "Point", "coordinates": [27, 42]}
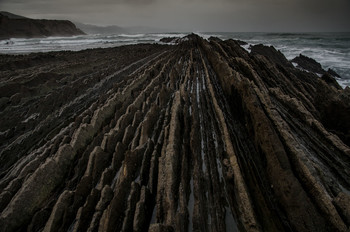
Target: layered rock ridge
{"type": "Point", "coordinates": [199, 136]}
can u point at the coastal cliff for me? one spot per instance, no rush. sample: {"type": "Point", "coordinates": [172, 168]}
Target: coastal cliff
{"type": "Point", "coordinates": [14, 26]}
{"type": "Point", "coordinates": [198, 136]}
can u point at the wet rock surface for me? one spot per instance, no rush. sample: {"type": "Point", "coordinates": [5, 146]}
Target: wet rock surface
{"type": "Point", "coordinates": [308, 64]}
{"type": "Point", "coordinates": [313, 66]}
{"type": "Point", "coordinates": [199, 136]}
{"type": "Point", "coordinates": [169, 39]}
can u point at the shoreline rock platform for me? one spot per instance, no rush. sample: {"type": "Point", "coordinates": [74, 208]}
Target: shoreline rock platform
{"type": "Point", "coordinates": [198, 136]}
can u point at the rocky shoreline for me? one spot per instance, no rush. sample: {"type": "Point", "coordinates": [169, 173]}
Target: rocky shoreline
{"type": "Point", "coordinates": [197, 136]}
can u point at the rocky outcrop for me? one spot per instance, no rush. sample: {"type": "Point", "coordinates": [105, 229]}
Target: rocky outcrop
{"type": "Point", "coordinates": [169, 39]}
{"type": "Point", "coordinates": [271, 54]}
{"type": "Point", "coordinates": [308, 64]}
{"type": "Point", "coordinates": [198, 136]}
{"type": "Point", "coordinates": [13, 26]}
{"type": "Point", "coordinates": [313, 66]}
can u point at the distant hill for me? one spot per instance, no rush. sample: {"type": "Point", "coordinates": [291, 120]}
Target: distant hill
{"type": "Point", "coordinates": [94, 29]}
{"type": "Point", "coordinates": [15, 26]}
{"type": "Point", "coordinates": [11, 16]}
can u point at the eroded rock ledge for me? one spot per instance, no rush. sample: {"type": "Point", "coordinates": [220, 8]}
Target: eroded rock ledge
{"type": "Point", "coordinates": [199, 136]}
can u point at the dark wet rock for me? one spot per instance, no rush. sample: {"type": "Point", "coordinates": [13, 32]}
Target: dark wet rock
{"type": "Point", "coordinates": [329, 79]}
{"type": "Point", "coordinates": [169, 39]}
{"type": "Point", "coordinates": [15, 99]}
{"type": "Point", "coordinates": [311, 65]}
{"type": "Point", "coordinates": [39, 220]}
{"type": "Point", "coordinates": [334, 110]}
{"type": "Point", "coordinates": [342, 202]}
{"type": "Point", "coordinates": [212, 38]}
{"type": "Point", "coordinates": [143, 210]}
{"type": "Point", "coordinates": [333, 73]}
{"type": "Point", "coordinates": [198, 136]}
{"type": "Point", "coordinates": [270, 53]}
{"type": "Point", "coordinates": [160, 228]}
{"type": "Point", "coordinates": [59, 211]}
{"type": "Point", "coordinates": [240, 42]}
{"type": "Point", "coordinates": [85, 213]}
{"type": "Point", "coordinates": [3, 102]}
{"type": "Point", "coordinates": [308, 64]}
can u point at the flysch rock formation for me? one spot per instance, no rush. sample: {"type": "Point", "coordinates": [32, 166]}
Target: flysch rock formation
{"type": "Point", "coordinates": [198, 136]}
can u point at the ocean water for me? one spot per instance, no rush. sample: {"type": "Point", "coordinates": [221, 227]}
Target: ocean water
{"type": "Point", "coordinates": [332, 50]}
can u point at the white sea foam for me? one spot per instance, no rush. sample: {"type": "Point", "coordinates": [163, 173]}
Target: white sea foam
{"type": "Point", "coordinates": [132, 35]}
{"type": "Point", "coordinates": [246, 47]}
{"type": "Point", "coordinates": [343, 82]}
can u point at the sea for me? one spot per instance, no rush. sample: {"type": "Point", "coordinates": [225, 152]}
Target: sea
{"type": "Point", "coordinates": [331, 50]}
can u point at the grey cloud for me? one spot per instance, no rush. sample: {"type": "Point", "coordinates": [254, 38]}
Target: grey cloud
{"type": "Point", "coordinates": [200, 15]}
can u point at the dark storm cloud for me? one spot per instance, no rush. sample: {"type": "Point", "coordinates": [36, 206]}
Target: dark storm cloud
{"type": "Point", "coordinates": [195, 15]}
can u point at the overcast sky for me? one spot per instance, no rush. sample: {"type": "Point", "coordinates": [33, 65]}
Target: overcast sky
{"type": "Point", "coordinates": [195, 15]}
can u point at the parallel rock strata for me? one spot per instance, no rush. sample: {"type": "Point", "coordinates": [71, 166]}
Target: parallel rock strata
{"type": "Point", "coordinates": [199, 136]}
